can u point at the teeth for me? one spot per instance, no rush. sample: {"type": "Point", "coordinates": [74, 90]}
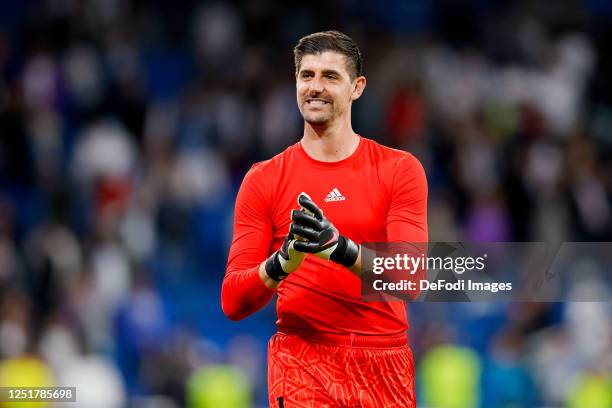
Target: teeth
{"type": "Point", "coordinates": [317, 102]}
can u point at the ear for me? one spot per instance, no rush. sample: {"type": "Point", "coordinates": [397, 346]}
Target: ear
{"type": "Point", "coordinates": [358, 86]}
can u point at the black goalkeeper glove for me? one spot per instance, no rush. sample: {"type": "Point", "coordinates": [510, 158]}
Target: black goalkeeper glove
{"type": "Point", "coordinates": [284, 261]}
{"type": "Point", "coordinates": [321, 237]}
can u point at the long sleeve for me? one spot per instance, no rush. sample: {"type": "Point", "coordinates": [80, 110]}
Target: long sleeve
{"type": "Point", "coordinates": [242, 291]}
{"type": "Point", "coordinates": [407, 217]}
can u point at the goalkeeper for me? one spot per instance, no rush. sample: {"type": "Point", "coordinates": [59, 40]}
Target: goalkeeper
{"type": "Point", "coordinates": [298, 222]}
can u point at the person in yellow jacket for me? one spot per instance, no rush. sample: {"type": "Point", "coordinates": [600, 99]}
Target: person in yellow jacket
{"type": "Point", "coordinates": [25, 371]}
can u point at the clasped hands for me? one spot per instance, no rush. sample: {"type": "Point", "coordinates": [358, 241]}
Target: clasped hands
{"type": "Point", "coordinates": [310, 233]}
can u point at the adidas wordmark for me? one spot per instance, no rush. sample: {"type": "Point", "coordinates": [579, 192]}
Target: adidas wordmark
{"type": "Point", "coordinates": [334, 195]}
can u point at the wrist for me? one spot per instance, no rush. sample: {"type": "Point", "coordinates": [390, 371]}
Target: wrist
{"type": "Point", "coordinates": [267, 281]}
{"type": "Point", "coordinates": [345, 253]}
{"type": "Point", "coordinates": [274, 269]}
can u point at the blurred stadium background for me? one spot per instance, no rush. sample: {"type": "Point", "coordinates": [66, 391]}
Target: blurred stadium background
{"type": "Point", "coordinates": [126, 128]}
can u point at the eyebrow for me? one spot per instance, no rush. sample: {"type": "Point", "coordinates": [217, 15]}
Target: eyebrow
{"type": "Point", "coordinates": [324, 72]}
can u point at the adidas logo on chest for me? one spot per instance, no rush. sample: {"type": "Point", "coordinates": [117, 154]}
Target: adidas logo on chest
{"type": "Point", "coordinates": [334, 195]}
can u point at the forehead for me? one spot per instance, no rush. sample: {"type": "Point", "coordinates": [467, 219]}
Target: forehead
{"type": "Point", "coordinates": [327, 60]}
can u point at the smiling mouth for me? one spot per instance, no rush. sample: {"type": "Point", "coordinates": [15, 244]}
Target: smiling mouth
{"type": "Point", "coordinates": [316, 102]}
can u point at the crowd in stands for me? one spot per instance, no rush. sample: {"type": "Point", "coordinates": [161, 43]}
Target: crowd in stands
{"type": "Point", "coordinates": [126, 128]}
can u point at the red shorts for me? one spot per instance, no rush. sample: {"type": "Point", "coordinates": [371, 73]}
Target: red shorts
{"type": "Point", "coordinates": [317, 371]}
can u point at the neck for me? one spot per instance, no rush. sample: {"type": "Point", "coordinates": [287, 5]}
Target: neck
{"type": "Point", "coordinates": [329, 142]}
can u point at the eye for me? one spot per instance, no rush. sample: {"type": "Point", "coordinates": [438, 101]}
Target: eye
{"type": "Point", "coordinates": [330, 76]}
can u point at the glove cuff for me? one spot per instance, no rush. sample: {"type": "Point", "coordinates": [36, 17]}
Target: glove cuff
{"type": "Point", "coordinates": [346, 252]}
{"type": "Point", "coordinates": [274, 269]}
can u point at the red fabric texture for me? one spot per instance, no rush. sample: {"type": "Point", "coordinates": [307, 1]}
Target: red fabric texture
{"type": "Point", "coordinates": [385, 200]}
{"type": "Point", "coordinates": [304, 374]}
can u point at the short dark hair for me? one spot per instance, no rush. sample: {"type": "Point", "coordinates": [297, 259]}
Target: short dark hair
{"type": "Point", "coordinates": [336, 41]}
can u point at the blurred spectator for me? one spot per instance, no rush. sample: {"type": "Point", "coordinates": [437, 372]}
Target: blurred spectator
{"type": "Point", "coordinates": [104, 151]}
{"type": "Point", "coordinates": [454, 369]}
{"type": "Point", "coordinates": [25, 371]}
{"type": "Point", "coordinates": [218, 386]}
{"type": "Point", "coordinates": [591, 390]}
{"type": "Point", "coordinates": [506, 379]}
{"type": "Point", "coordinates": [97, 381]}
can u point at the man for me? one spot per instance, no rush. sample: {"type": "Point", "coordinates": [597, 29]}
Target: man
{"type": "Point", "coordinates": [322, 197]}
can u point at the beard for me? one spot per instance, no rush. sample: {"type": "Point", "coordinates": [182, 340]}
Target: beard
{"type": "Point", "coordinates": [319, 117]}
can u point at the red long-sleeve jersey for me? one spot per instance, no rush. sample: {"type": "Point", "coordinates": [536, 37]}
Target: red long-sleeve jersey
{"type": "Point", "coordinates": [377, 194]}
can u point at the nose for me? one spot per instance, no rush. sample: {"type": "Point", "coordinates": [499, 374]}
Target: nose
{"type": "Point", "coordinates": [316, 85]}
